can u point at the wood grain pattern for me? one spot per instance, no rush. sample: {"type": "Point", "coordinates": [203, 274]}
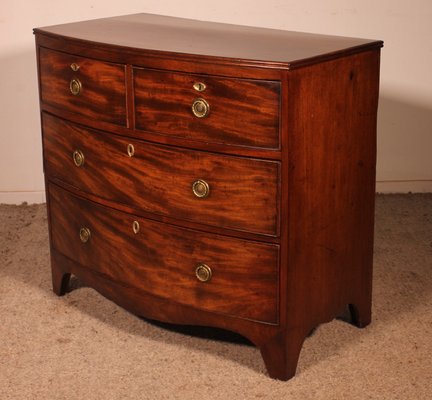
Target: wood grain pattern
{"type": "Point", "coordinates": [103, 94]}
{"type": "Point", "coordinates": [156, 60]}
{"type": "Point", "coordinates": [293, 203]}
{"type": "Point", "coordinates": [154, 307]}
{"type": "Point", "coordinates": [332, 111]}
{"type": "Point", "coordinates": [161, 259]}
{"type": "Point", "coordinates": [157, 35]}
{"type": "Point", "coordinates": [243, 191]}
{"type": "Point", "coordinates": [243, 112]}
{"type": "Point", "coordinates": [332, 163]}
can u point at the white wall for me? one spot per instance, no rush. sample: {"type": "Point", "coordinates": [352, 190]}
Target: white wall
{"type": "Point", "coordinates": [405, 115]}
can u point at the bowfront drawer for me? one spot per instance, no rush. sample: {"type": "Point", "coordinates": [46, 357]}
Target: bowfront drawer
{"type": "Point", "coordinates": [219, 110]}
{"type": "Point", "coordinates": [225, 191]}
{"type": "Point", "coordinates": [210, 272]}
{"type": "Point", "coordinates": [92, 88]}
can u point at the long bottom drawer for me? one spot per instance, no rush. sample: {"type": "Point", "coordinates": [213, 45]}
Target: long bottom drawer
{"type": "Point", "coordinates": [206, 271]}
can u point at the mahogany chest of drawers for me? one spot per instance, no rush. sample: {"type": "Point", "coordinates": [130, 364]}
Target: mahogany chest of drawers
{"type": "Point", "coordinates": [211, 174]}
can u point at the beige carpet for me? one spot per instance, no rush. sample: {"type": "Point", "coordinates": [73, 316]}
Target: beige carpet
{"type": "Point", "coordinates": [82, 346]}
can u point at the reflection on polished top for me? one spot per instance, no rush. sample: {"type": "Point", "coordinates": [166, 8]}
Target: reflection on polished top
{"type": "Point", "coordinates": [179, 35]}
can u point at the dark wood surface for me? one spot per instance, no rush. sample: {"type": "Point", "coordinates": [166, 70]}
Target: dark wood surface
{"type": "Point", "coordinates": [243, 191]}
{"type": "Point", "coordinates": [154, 307]}
{"type": "Point", "coordinates": [313, 187]}
{"type": "Point", "coordinates": [331, 164]}
{"type": "Point", "coordinates": [163, 101]}
{"type": "Point", "coordinates": [103, 94]}
{"type": "Point", "coordinates": [161, 259]}
{"type": "Point", "coordinates": [332, 186]}
{"type": "Point", "coordinates": [162, 34]}
{"type": "Point", "coordinates": [331, 179]}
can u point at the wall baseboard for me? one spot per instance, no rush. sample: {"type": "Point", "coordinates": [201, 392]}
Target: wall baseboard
{"type": "Point", "coordinates": [37, 197]}
{"type": "Point", "coordinates": [20, 197]}
{"type": "Point", "coordinates": [420, 186]}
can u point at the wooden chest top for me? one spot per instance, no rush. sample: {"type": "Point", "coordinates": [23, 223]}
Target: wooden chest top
{"type": "Point", "coordinates": [250, 45]}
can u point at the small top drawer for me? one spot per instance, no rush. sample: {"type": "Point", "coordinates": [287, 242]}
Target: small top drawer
{"type": "Point", "coordinates": [92, 88]}
{"type": "Point", "coordinates": [212, 109]}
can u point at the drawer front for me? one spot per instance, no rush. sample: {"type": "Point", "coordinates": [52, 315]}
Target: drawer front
{"type": "Point", "coordinates": [163, 260]}
{"type": "Point", "coordinates": [84, 86]}
{"type": "Point", "coordinates": [231, 111]}
{"type": "Point", "coordinates": [242, 192]}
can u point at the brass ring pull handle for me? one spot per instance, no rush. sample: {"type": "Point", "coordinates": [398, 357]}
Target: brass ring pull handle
{"type": "Point", "coordinates": [135, 227]}
{"type": "Point", "coordinates": [74, 67]}
{"type": "Point", "coordinates": [78, 158]}
{"type": "Point", "coordinates": [200, 108]}
{"type": "Point", "coordinates": [203, 272]}
{"type": "Point", "coordinates": [130, 150]}
{"type": "Point", "coordinates": [201, 188]}
{"type": "Point", "coordinates": [75, 87]}
{"type": "Point", "coordinates": [84, 234]}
